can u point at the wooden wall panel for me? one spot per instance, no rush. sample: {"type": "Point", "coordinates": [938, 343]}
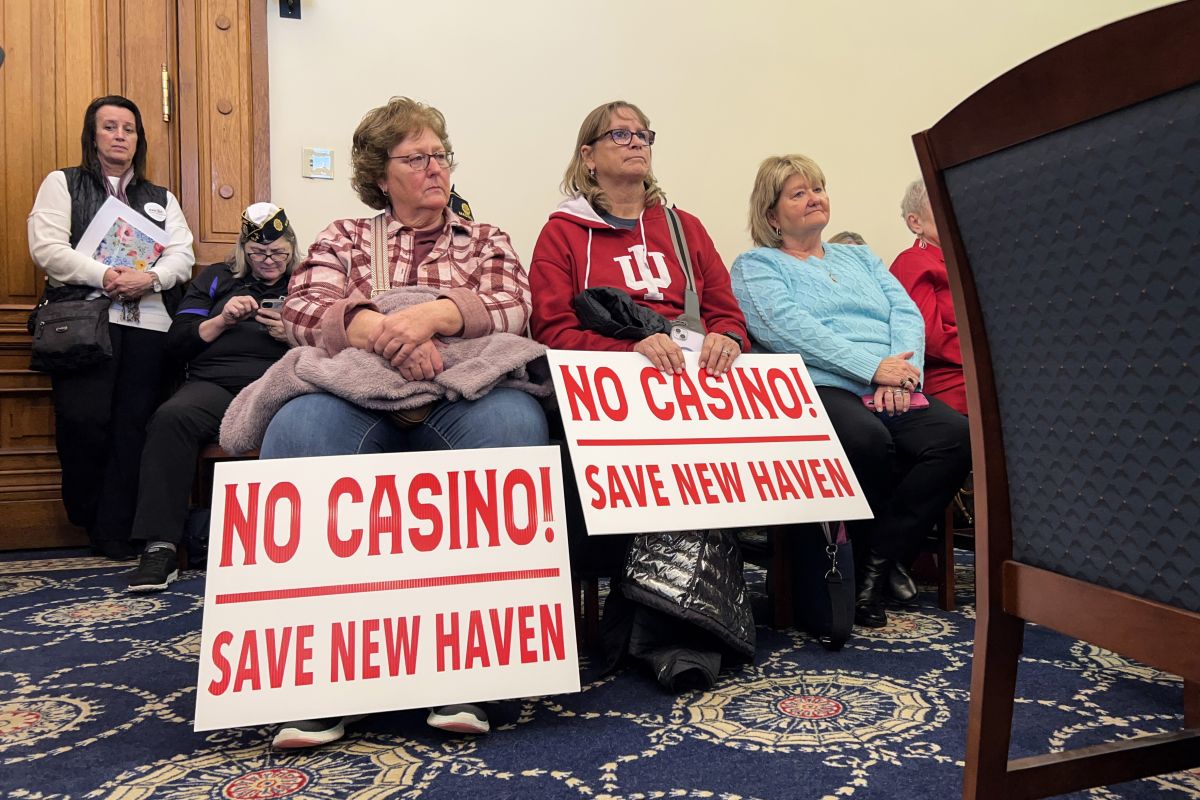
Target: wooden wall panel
{"type": "Point", "coordinates": [54, 67]}
{"type": "Point", "coordinates": [223, 118]}
{"type": "Point", "coordinates": [26, 423]}
{"type": "Point", "coordinates": [37, 523]}
{"type": "Point", "coordinates": [80, 73]}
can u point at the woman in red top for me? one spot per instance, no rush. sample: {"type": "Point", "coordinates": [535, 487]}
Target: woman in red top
{"type": "Point", "coordinates": [921, 269]}
{"type": "Point", "coordinates": [612, 233]}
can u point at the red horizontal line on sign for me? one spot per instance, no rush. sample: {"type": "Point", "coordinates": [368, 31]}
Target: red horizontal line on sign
{"type": "Point", "coordinates": [387, 586]}
{"type": "Point", "coordinates": [816, 437]}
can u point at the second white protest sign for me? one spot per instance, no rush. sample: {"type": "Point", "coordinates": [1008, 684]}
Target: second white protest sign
{"type": "Point", "coordinates": [653, 451]}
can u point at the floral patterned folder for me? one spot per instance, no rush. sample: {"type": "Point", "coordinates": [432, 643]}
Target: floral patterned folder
{"type": "Point", "coordinates": [126, 246]}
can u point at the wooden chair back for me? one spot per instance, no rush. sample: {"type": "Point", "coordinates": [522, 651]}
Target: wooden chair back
{"type": "Point", "coordinates": [1066, 195]}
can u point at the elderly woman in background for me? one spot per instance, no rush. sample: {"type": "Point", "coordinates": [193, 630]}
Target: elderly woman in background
{"type": "Point", "coordinates": [921, 270]}
{"type": "Point", "coordinates": [227, 339]}
{"type": "Point", "coordinates": [476, 286]}
{"type": "Point", "coordinates": [847, 237]}
{"type": "Point", "coordinates": [861, 338]}
{"type": "Point", "coordinates": [100, 411]}
{"type": "Point", "coordinates": [611, 235]}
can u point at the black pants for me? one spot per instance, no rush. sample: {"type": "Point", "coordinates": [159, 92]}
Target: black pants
{"type": "Point", "coordinates": [100, 416]}
{"type": "Point", "coordinates": [909, 467]}
{"type": "Point", "coordinates": [179, 429]}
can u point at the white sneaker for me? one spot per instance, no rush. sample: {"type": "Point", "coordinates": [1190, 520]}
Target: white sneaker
{"type": "Point", "coordinates": [461, 718]}
{"type": "Point", "coordinates": [312, 732]}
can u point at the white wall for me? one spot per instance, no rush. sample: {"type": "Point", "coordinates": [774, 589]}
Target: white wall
{"type": "Point", "coordinates": [724, 83]}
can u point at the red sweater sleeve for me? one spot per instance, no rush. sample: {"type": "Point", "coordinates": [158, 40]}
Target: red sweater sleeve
{"type": "Point", "coordinates": [926, 282]}
{"type": "Point", "coordinates": [554, 281]}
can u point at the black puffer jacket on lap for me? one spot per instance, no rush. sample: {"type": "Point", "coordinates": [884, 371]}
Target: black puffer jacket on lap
{"type": "Point", "coordinates": [697, 577]}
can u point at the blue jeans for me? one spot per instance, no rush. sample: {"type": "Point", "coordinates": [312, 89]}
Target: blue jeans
{"type": "Point", "coordinates": [325, 425]}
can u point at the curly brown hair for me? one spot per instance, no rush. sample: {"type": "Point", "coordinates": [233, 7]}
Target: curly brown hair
{"type": "Point", "coordinates": [380, 130]}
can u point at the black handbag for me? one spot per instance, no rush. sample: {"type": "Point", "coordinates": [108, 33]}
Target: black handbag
{"type": "Point", "coordinates": [69, 331]}
{"type": "Point", "coordinates": [823, 582]}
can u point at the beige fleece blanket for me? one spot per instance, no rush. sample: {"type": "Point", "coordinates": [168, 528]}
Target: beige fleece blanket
{"type": "Point", "coordinates": [473, 367]}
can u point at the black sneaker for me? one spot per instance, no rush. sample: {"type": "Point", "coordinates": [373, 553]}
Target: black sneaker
{"type": "Point", "coordinates": [461, 718]}
{"type": "Point", "coordinates": [156, 569]}
{"type": "Point", "coordinates": [312, 732]}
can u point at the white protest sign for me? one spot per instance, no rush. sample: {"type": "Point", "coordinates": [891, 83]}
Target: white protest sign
{"type": "Point", "coordinates": [351, 584]}
{"type": "Point", "coordinates": [659, 452]}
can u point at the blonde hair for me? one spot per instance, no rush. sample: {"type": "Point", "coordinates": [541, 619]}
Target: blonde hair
{"type": "Point", "coordinates": [847, 237]}
{"type": "Point", "coordinates": [379, 131]}
{"type": "Point", "coordinates": [239, 266]}
{"type": "Point", "coordinates": [773, 173]}
{"type": "Point", "coordinates": [578, 180]}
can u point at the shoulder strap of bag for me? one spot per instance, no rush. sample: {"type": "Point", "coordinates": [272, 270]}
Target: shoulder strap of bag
{"type": "Point", "coordinates": [381, 278]}
{"type": "Point", "coordinates": [691, 302]}
{"type": "Point", "coordinates": [841, 613]}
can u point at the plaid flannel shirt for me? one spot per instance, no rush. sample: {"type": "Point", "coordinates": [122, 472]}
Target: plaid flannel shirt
{"type": "Point", "coordinates": [474, 264]}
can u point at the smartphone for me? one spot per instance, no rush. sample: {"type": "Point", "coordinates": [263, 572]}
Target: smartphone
{"type": "Point", "coordinates": [272, 303]}
{"type": "Point", "coordinates": [686, 338]}
{"type": "Point", "coordinates": [917, 400]}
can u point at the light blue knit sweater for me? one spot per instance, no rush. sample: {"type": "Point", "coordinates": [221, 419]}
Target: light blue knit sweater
{"type": "Point", "coordinates": [843, 328]}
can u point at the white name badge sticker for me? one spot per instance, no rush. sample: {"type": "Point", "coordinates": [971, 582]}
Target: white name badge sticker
{"type": "Point", "coordinates": [155, 211]}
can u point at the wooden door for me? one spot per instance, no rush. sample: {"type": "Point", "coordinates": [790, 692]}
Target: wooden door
{"type": "Point", "coordinates": [141, 53]}
{"type": "Point", "coordinates": [208, 119]}
{"type": "Point", "coordinates": [223, 118]}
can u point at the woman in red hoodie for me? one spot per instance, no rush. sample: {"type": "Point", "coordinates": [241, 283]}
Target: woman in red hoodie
{"type": "Point", "coordinates": [613, 237]}
{"type": "Point", "coordinates": [612, 231]}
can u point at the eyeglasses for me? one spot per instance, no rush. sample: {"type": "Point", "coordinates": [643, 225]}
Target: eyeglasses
{"type": "Point", "coordinates": [420, 161]}
{"type": "Point", "coordinates": [622, 137]}
{"type": "Point", "coordinates": [273, 255]}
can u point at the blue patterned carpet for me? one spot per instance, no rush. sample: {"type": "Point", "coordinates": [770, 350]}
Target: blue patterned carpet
{"type": "Point", "coordinates": [97, 689]}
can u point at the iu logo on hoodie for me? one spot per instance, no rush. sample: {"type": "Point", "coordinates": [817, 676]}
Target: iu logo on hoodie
{"type": "Point", "coordinates": [639, 275]}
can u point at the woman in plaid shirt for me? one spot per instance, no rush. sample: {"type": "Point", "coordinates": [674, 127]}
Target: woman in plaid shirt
{"type": "Point", "coordinates": [402, 161]}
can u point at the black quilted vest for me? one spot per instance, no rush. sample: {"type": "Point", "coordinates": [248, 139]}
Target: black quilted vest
{"type": "Point", "coordinates": [88, 194]}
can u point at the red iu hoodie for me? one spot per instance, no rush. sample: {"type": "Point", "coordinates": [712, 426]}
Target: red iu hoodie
{"type": "Point", "coordinates": [578, 250]}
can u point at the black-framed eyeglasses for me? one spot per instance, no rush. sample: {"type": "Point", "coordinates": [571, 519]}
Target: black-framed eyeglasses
{"type": "Point", "coordinates": [420, 161]}
{"type": "Point", "coordinates": [274, 255]}
{"type": "Point", "coordinates": [622, 137]}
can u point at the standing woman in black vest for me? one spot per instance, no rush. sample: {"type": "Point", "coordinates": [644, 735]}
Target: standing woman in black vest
{"type": "Point", "coordinates": [101, 411]}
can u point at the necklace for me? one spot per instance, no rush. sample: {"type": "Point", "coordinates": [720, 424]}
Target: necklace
{"type": "Point", "coordinates": [806, 256]}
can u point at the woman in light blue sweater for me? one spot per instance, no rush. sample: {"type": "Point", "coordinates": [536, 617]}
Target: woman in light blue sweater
{"type": "Point", "coordinates": [862, 340]}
